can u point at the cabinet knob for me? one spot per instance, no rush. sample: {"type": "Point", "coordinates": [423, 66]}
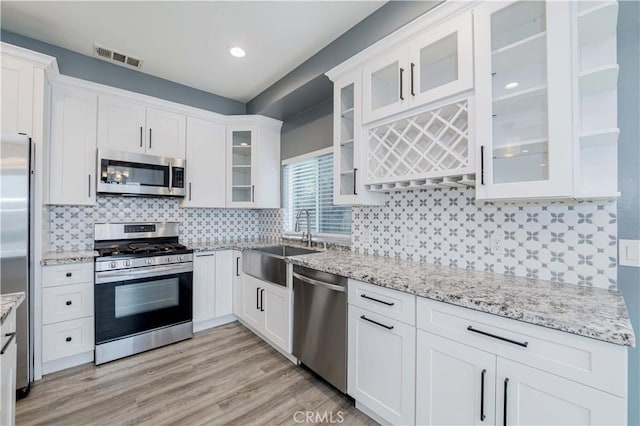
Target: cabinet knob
{"type": "Point", "coordinates": [68, 274]}
{"type": "Point", "coordinates": [68, 302]}
{"type": "Point", "coordinates": [68, 339]}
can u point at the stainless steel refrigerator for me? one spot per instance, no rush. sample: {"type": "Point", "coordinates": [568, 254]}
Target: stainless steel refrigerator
{"type": "Point", "coordinates": [15, 252]}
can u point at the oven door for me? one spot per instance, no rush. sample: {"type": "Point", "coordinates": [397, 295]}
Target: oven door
{"type": "Point", "coordinates": [135, 301]}
{"type": "Point", "coordinates": [128, 173]}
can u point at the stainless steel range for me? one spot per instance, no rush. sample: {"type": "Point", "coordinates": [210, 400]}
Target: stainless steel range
{"type": "Point", "coordinates": [143, 288]}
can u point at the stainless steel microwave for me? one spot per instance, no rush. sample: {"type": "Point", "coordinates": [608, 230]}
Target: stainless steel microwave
{"type": "Point", "coordinates": [140, 174]}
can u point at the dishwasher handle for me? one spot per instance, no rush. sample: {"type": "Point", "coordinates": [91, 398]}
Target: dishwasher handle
{"type": "Point", "coordinates": [319, 283]}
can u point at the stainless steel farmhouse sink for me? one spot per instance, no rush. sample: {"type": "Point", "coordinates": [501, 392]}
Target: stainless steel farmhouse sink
{"type": "Point", "coordinates": [267, 263]}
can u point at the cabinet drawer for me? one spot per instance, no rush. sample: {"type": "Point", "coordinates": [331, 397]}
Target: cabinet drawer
{"type": "Point", "coordinates": [67, 338]}
{"type": "Point", "coordinates": [598, 364]}
{"type": "Point", "coordinates": [67, 274]}
{"type": "Point", "coordinates": [67, 302]}
{"type": "Point", "coordinates": [391, 303]}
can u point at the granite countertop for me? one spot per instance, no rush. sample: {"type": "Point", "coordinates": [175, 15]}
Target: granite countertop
{"type": "Point", "coordinates": [246, 245]}
{"type": "Point", "coordinates": [586, 311]}
{"type": "Point", "coordinates": [67, 257]}
{"type": "Point", "coordinates": [9, 302]}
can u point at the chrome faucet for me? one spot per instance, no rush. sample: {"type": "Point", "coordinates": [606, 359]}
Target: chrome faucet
{"type": "Point", "coordinates": [297, 227]}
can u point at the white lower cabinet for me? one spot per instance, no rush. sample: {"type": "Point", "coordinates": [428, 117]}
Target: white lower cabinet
{"type": "Point", "coordinates": [267, 308]}
{"type": "Point", "coordinates": [251, 312]}
{"type": "Point", "coordinates": [67, 338]}
{"type": "Point", "coordinates": [237, 283]}
{"type": "Point", "coordinates": [68, 330]}
{"type": "Point", "coordinates": [276, 301]}
{"type": "Point", "coordinates": [527, 396]}
{"type": "Point", "coordinates": [458, 366]}
{"type": "Point", "coordinates": [8, 362]}
{"type": "Point", "coordinates": [212, 289]}
{"type": "Point", "coordinates": [455, 383]}
{"type": "Point", "coordinates": [381, 366]}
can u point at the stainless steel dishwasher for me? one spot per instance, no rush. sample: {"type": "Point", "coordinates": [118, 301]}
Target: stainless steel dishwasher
{"type": "Point", "coordinates": [320, 324]}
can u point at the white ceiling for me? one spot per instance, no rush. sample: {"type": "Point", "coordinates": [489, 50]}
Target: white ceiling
{"type": "Point", "coordinates": [187, 42]}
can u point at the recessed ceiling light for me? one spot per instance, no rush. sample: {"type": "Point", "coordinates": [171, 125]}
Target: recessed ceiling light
{"type": "Point", "coordinates": [525, 150]}
{"type": "Point", "coordinates": [236, 51]}
{"type": "Point", "coordinates": [512, 85]}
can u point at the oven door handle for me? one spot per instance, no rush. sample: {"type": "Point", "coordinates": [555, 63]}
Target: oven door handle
{"type": "Point", "coordinates": [106, 277]}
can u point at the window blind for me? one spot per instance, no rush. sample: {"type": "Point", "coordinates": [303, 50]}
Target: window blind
{"type": "Point", "coordinates": [308, 184]}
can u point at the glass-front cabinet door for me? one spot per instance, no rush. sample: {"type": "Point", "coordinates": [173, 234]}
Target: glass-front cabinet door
{"type": "Point", "coordinates": [523, 95]}
{"type": "Point", "coordinates": [441, 61]}
{"type": "Point", "coordinates": [385, 82]}
{"type": "Point", "coordinates": [348, 145]}
{"type": "Point", "coordinates": [241, 165]}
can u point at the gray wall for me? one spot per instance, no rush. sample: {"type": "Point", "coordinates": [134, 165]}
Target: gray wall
{"type": "Point", "coordinates": [293, 86]}
{"type": "Point", "coordinates": [87, 68]}
{"type": "Point", "coordinates": [309, 131]}
{"type": "Point", "coordinates": [629, 178]}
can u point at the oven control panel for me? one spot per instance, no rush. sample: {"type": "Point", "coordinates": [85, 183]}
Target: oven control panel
{"type": "Point", "coordinates": [111, 264]}
{"type": "Point", "coordinates": [130, 229]}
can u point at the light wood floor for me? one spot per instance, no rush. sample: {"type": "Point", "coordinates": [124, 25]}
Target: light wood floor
{"type": "Point", "coordinates": [222, 376]}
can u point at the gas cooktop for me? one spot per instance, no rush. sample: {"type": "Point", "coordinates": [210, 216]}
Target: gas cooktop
{"type": "Point", "coordinates": [142, 248]}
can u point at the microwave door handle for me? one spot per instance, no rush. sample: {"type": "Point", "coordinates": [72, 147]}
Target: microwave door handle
{"type": "Point", "coordinates": [170, 176]}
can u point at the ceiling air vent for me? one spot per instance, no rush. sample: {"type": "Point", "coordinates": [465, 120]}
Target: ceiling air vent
{"type": "Point", "coordinates": [115, 57]}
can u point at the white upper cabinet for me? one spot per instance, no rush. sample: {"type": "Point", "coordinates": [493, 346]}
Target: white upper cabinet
{"type": "Point", "coordinates": [128, 126]}
{"type": "Point", "coordinates": [253, 163]}
{"type": "Point", "coordinates": [17, 96]}
{"type": "Point", "coordinates": [348, 149]}
{"type": "Point", "coordinates": [72, 168]}
{"type": "Point", "coordinates": [206, 164]}
{"type": "Point", "coordinates": [434, 65]}
{"type": "Point", "coordinates": [241, 165]}
{"type": "Point", "coordinates": [121, 125]}
{"type": "Point", "coordinates": [524, 100]}
{"type": "Point", "coordinates": [167, 134]}
{"type": "Point", "coordinates": [385, 84]}
{"type": "Point", "coordinates": [441, 61]}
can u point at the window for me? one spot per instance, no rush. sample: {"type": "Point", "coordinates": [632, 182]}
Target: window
{"type": "Point", "coordinates": [308, 184]}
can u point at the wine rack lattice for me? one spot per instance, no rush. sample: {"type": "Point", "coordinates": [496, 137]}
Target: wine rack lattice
{"type": "Point", "coordinates": [431, 143]}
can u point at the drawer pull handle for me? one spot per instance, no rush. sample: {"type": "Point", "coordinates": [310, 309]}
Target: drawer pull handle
{"type": "Point", "coordinates": [68, 302]}
{"type": "Point", "coordinates": [68, 339]}
{"type": "Point", "coordinates": [377, 300]}
{"type": "Point", "coordinates": [68, 274]}
{"type": "Point", "coordinates": [388, 327]}
{"type": "Point", "coordinates": [11, 336]}
{"type": "Point", "coordinates": [484, 333]}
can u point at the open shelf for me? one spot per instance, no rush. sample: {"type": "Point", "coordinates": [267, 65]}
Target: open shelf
{"type": "Point", "coordinates": [241, 186]}
{"type": "Point", "coordinates": [240, 146]}
{"type": "Point", "coordinates": [605, 136]}
{"type": "Point", "coordinates": [347, 142]}
{"type": "Point", "coordinates": [598, 80]}
{"type": "Point", "coordinates": [348, 114]}
{"type": "Point", "coordinates": [522, 100]}
{"type": "Point", "coordinates": [598, 22]}
{"type": "Point", "coordinates": [506, 145]}
{"type": "Point", "coordinates": [347, 172]}
{"type": "Point", "coordinates": [241, 166]}
{"type": "Point", "coordinates": [528, 51]}
{"type": "Point", "coordinates": [517, 22]}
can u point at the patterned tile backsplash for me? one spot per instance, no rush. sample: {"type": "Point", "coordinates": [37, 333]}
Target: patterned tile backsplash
{"type": "Point", "coordinates": [71, 227]}
{"type": "Point", "coordinates": [569, 243]}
